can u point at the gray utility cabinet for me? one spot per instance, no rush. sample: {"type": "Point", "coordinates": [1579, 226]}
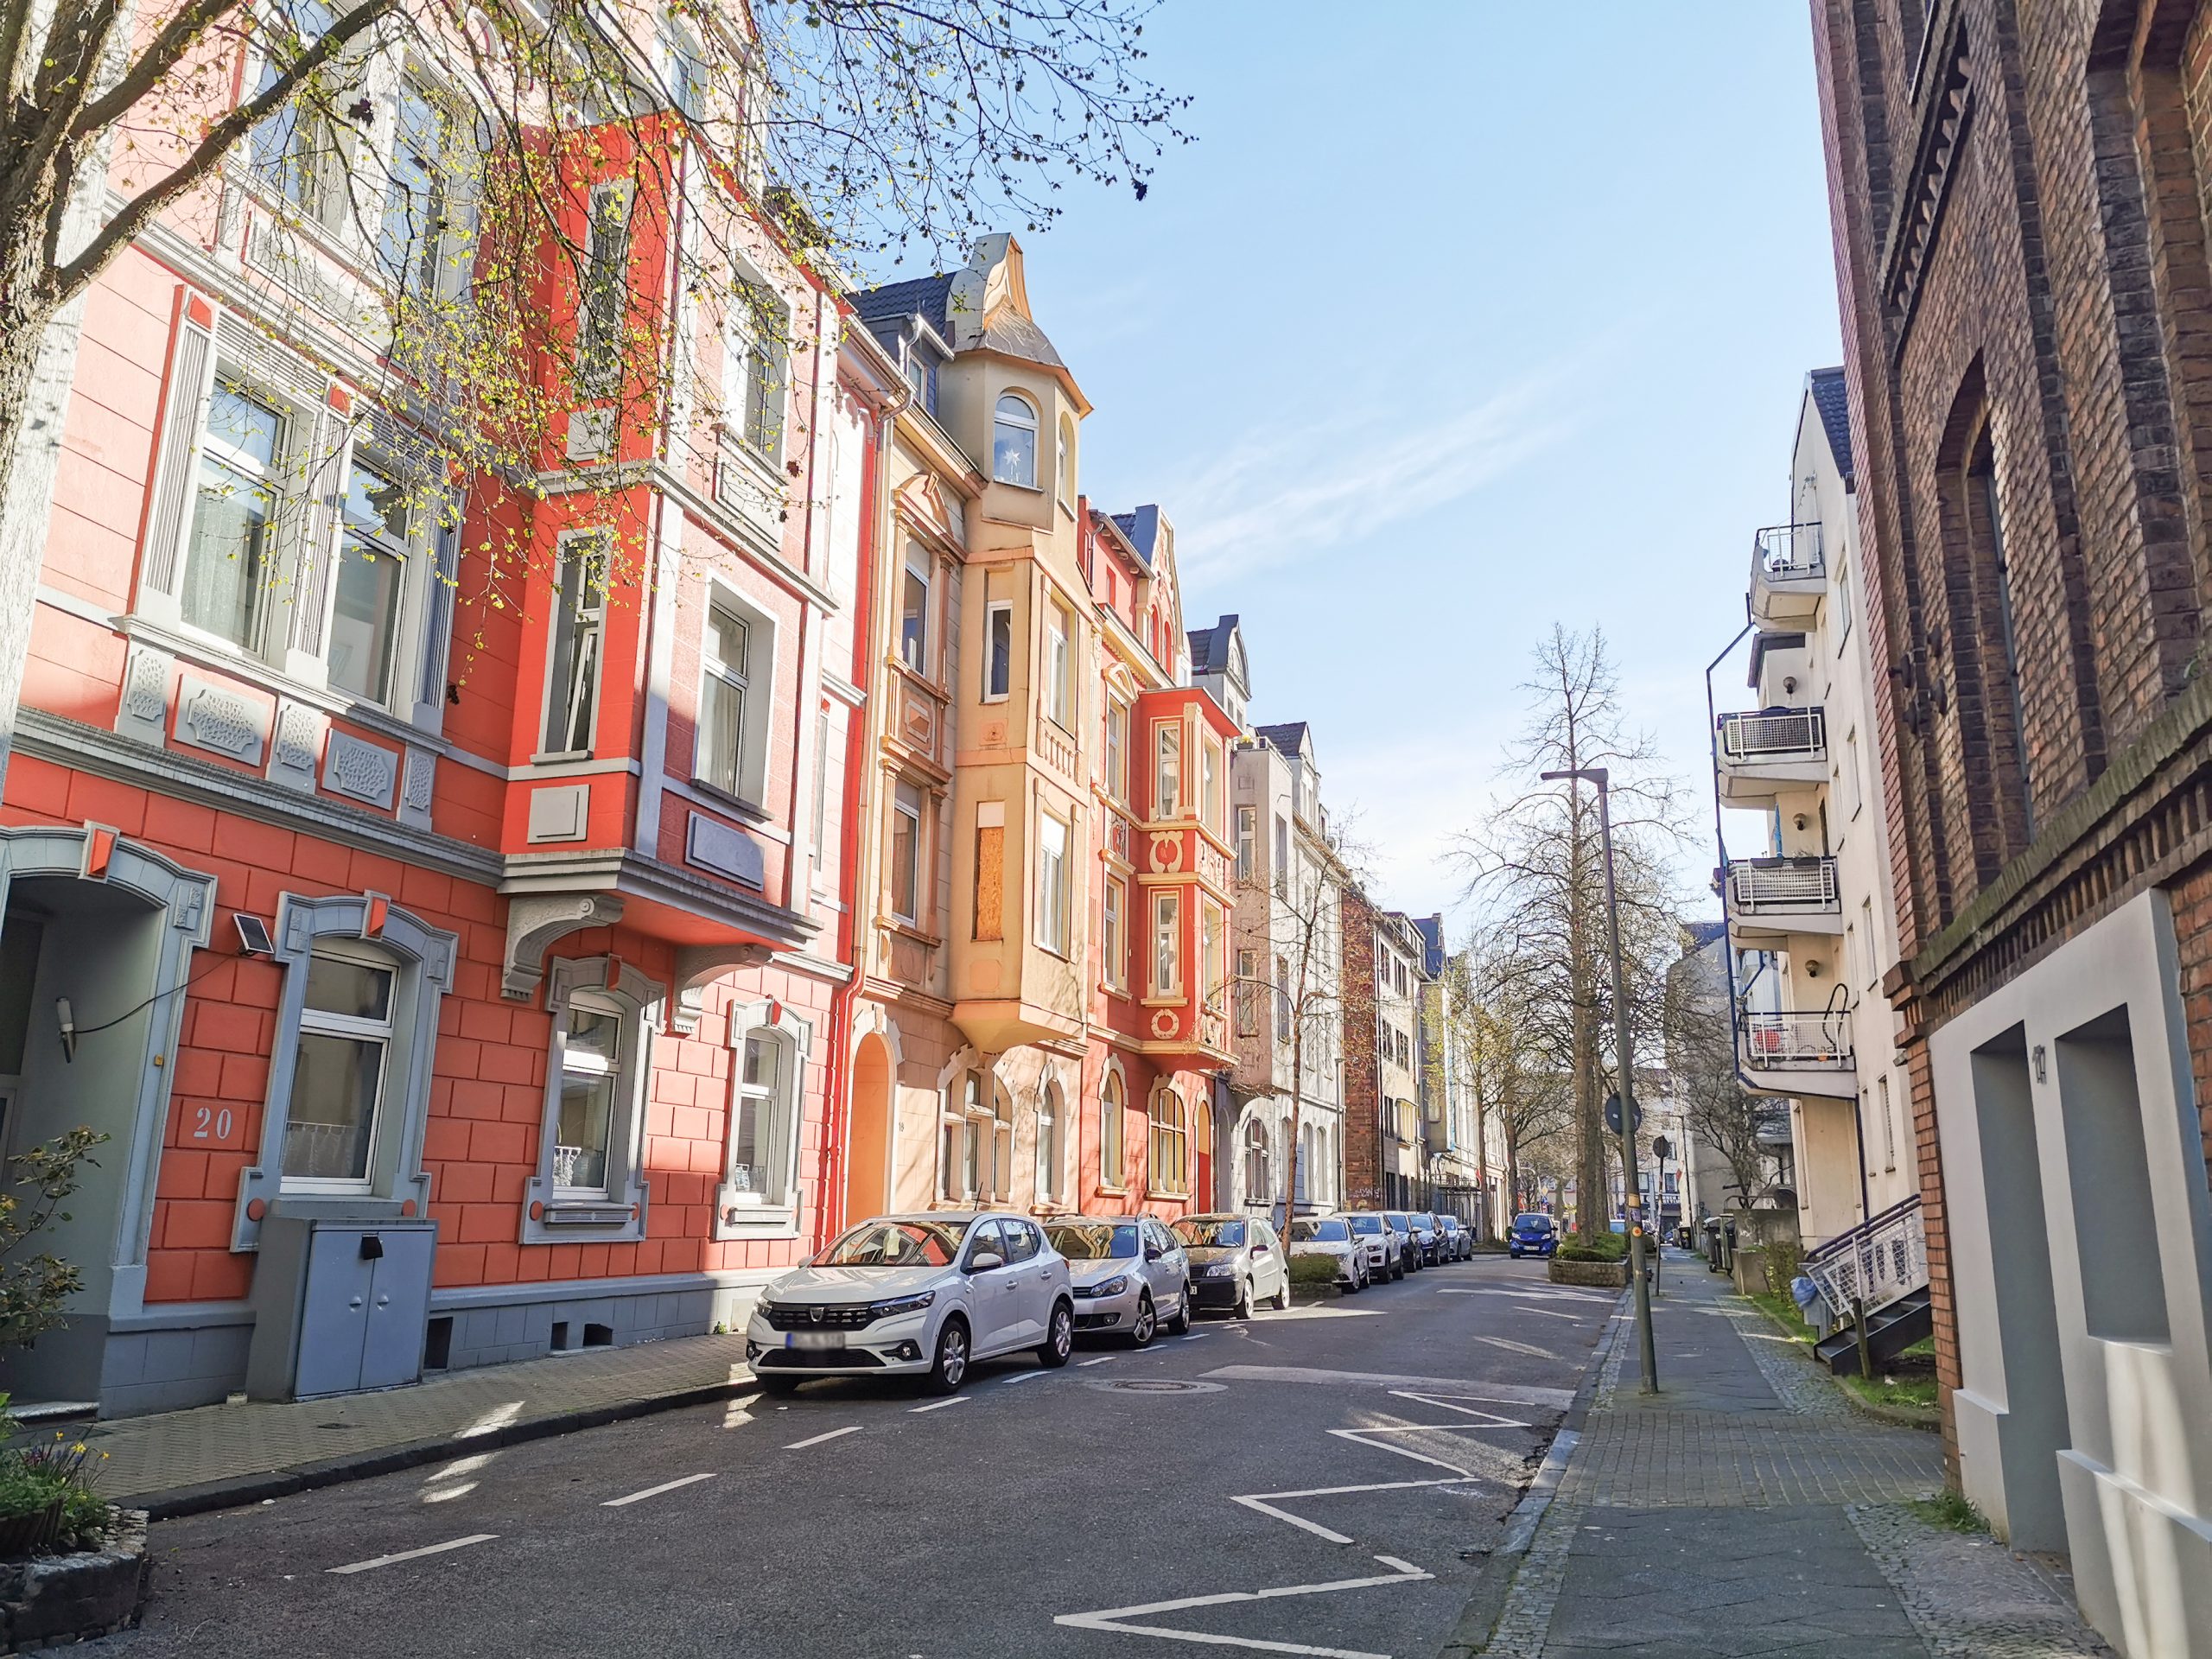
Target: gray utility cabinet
{"type": "Point", "coordinates": [342, 1304]}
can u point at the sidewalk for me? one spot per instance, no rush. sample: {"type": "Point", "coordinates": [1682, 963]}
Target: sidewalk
{"type": "Point", "coordinates": [1749, 1510]}
{"type": "Point", "coordinates": [183, 1462]}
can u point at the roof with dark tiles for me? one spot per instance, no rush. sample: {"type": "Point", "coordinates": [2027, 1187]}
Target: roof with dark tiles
{"type": "Point", "coordinates": [1833, 398]}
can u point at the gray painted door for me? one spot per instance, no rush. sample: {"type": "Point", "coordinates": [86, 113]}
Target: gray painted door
{"type": "Point", "coordinates": [392, 1349]}
{"type": "Point", "coordinates": [334, 1318]}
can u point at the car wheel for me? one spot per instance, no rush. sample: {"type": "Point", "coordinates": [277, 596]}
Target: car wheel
{"type": "Point", "coordinates": [1243, 1308]}
{"type": "Point", "coordinates": [1283, 1296]}
{"type": "Point", "coordinates": [1059, 1338]}
{"type": "Point", "coordinates": [777, 1382]}
{"type": "Point", "coordinates": [1354, 1283]}
{"type": "Point", "coordinates": [948, 1370]}
{"type": "Point", "coordinates": [1397, 1270]}
{"type": "Point", "coordinates": [1180, 1325]}
{"type": "Point", "coordinates": [1141, 1334]}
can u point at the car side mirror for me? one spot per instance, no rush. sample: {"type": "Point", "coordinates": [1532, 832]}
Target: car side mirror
{"type": "Point", "coordinates": [1152, 1252]}
{"type": "Point", "coordinates": [984, 1261]}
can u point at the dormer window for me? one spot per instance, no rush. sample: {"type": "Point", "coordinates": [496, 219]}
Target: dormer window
{"type": "Point", "coordinates": [921, 375]}
{"type": "Point", "coordinates": [1013, 441]}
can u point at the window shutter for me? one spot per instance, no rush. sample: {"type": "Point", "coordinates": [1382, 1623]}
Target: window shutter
{"type": "Point", "coordinates": [192, 375]}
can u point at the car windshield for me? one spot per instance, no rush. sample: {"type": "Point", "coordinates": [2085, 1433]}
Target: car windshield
{"type": "Point", "coordinates": [894, 1245]}
{"type": "Point", "coordinates": [1449, 1223]}
{"type": "Point", "coordinates": [1364, 1225]}
{"type": "Point", "coordinates": [1206, 1235]}
{"type": "Point", "coordinates": [1533, 1223]}
{"type": "Point", "coordinates": [1094, 1241]}
{"type": "Point", "coordinates": [1402, 1222]}
{"type": "Point", "coordinates": [1327, 1232]}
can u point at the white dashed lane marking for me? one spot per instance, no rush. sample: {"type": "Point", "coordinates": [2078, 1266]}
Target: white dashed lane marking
{"type": "Point", "coordinates": [940, 1405]}
{"type": "Point", "coordinates": [801, 1446]}
{"type": "Point", "coordinates": [1101, 1360]}
{"type": "Point", "coordinates": [655, 1491]}
{"type": "Point", "coordinates": [412, 1554]}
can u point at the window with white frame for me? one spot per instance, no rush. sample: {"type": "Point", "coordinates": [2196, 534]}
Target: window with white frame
{"type": "Point", "coordinates": [998, 649]}
{"type": "Point", "coordinates": [914, 611]}
{"type": "Point", "coordinates": [589, 1183]}
{"type": "Point", "coordinates": [1282, 999]}
{"type": "Point", "coordinates": [1013, 441]}
{"type": "Point", "coordinates": [1117, 749]}
{"type": "Point", "coordinates": [592, 1050]}
{"type": "Point", "coordinates": [1053, 883]}
{"type": "Point", "coordinates": [907, 854]}
{"type": "Point", "coordinates": [1213, 960]}
{"type": "Point", "coordinates": [1210, 785]}
{"type": "Point", "coordinates": [1282, 856]}
{"type": "Point", "coordinates": [733, 698]}
{"type": "Point", "coordinates": [1248, 993]}
{"type": "Point", "coordinates": [579, 617]}
{"type": "Point", "coordinates": [756, 330]}
{"type": "Point", "coordinates": [1167, 769]}
{"type": "Point", "coordinates": [603, 297]}
{"type": "Point", "coordinates": [1167, 1161]}
{"type": "Point", "coordinates": [821, 850]}
{"type": "Point", "coordinates": [296, 149]}
{"type": "Point", "coordinates": [422, 242]}
{"type": "Point", "coordinates": [1113, 1166]}
{"type": "Point", "coordinates": [764, 1114]}
{"type": "Point", "coordinates": [1247, 834]}
{"type": "Point", "coordinates": [1059, 665]}
{"type": "Point", "coordinates": [340, 1071]}
{"type": "Point", "coordinates": [1067, 468]}
{"type": "Point", "coordinates": [1167, 943]}
{"type": "Point", "coordinates": [1049, 1116]}
{"type": "Point", "coordinates": [960, 1136]}
{"type": "Point", "coordinates": [1113, 945]}
{"type": "Point", "coordinates": [1256, 1162]}
{"type": "Point", "coordinates": [373, 553]}
{"type": "Point", "coordinates": [230, 560]}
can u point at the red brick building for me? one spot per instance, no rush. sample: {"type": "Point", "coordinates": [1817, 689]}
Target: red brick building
{"type": "Point", "coordinates": [2020, 223]}
{"type": "Point", "coordinates": [435, 889]}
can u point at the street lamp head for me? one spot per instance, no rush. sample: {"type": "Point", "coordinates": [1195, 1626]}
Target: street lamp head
{"type": "Point", "coordinates": [1588, 774]}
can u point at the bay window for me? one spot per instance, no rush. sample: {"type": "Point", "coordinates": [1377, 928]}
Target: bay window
{"type": "Point", "coordinates": [1113, 947]}
{"type": "Point", "coordinates": [736, 657]}
{"type": "Point", "coordinates": [230, 559]}
{"type": "Point", "coordinates": [914, 611]}
{"type": "Point", "coordinates": [1212, 959]}
{"type": "Point", "coordinates": [1013, 441]}
{"type": "Point", "coordinates": [573, 657]}
{"type": "Point", "coordinates": [1117, 750]}
{"type": "Point", "coordinates": [1210, 785]}
{"type": "Point", "coordinates": [906, 854]}
{"type": "Point", "coordinates": [372, 577]}
{"type": "Point", "coordinates": [1053, 883]}
{"type": "Point", "coordinates": [1167, 770]}
{"type": "Point", "coordinates": [1059, 665]}
{"type": "Point", "coordinates": [1167, 943]}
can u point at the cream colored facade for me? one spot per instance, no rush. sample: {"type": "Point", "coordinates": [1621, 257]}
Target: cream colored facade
{"type": "Point", "coordinates": [1820, 908]}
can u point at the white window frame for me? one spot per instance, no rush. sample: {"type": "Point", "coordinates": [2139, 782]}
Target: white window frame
{"type": "Point", "coordinates": [1054, 838]}
{"type": "Point", "coordinates": [1060, 664]}
{"type": "Point", "coordinates": [1052, 1113]}
{"type": "Point", "coordinates": [1167, 1161]}
{"type": "Point", "coordinates": [919, 568]}
{"type": "Point", "coordinates": [1248, 999]}
{"type": "Point", "coordinates": [1166, 769]}
{"type": "Point", "coordinates": [413, 551]}
{"type": "Point", "coordinates": [756, 371]}
{"type": "Point", "coordinates": [756, 694]}
{"type": "Point", "coordinates": [909, 805]}
{"type": "Point", "coordinates": [1064, 468]}
{"type": "Point", "coordinates": [602, 340]}
{"type": "Point", "coordinates": [1113, 1128]}
{"type": "Point", "coordinates": [586, 616]}
{"type": "Point", "coordinates": [1117, 750]}
{"type": "Point", "coordinates": [1027, 421]}
{"type": "Point", "coordinates": [617, 1212]}
{"type": "Point", "coordinates": [321, 1022]}
{"type": "Point", "coordinates": [1167, 942]}
{"type": "Point", "coordinates": [441, 265]}
{"type": "Point", "coordinates": [1113, 935]}
{"type": "Point", "coordinates": [998, 650]}
{"type": "Point", "coordinates": [1209, 779]}
{"type": "Point", "coordinates": [740, 1212]}
{"type": "Point", "coordinates": [281, 478]}
{"type": "Point", "coordinates": [1246, 839]}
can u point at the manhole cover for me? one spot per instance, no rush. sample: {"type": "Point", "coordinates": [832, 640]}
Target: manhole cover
{"type": "Point", "coordinates": [1155, 1385]}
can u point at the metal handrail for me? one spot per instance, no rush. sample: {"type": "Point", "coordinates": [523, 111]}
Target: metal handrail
{"type": "Point", "coordinates": [1787, 552]}
{"type": "Point", "coordinates": [1760, 887]}
{"type": "Point", "coordinates": [1774, 735]}
{"type": "Point", "coordinates": [1796, 1041]}
{"type": "Point", "coordinates": [1880, 1260]}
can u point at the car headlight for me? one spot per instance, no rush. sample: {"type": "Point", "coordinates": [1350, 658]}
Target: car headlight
{"type": "Point", "coordinates": [1221, 1270]}
{"type": "Point", "coordinates": [1112, 1287]}
{"type": "Point", "coordinates": [893, 1307]}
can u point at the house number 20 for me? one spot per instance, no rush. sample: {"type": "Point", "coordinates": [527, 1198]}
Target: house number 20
{"type": "Point", "coordinates": [211, 1120]}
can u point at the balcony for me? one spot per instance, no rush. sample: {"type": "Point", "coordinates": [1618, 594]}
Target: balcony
{"type": "Point", "coordinates": [1762, 753]}
{"type": "Point", "coordinates": [1769, 899]}
{"type": "Point", "coordinates": [1788, 575]}
{"type": "Point", "coordinates": [1798, 1053]}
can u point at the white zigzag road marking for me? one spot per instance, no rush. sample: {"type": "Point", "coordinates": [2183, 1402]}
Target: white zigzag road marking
{"type": "Point", "coordinates": [1118, 1618]}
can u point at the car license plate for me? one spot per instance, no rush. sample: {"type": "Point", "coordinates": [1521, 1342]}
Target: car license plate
{"type": "Point", "coordinates": [815, 1339]}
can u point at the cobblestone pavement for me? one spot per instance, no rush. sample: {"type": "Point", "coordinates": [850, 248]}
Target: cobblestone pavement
{"type": "Point", "coordinates": [1748, 1510]}
{"type": "Point", "coordinates": [173, 1450]}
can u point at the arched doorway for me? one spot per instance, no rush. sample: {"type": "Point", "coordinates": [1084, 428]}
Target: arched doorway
{"type": "Point", "coordinates": [868, 1151]}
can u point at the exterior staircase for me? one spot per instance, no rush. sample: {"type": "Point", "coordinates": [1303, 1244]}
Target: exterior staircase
{"type": "Point", "coordinates": [1889, 1333]}
{"type": "Point", "coordinates": [1883, 1263]}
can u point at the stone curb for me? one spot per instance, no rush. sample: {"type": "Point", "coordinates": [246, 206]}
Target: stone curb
{"type": "Point", "coordinates": [1472, 1635]}
{"type": "Point", "coordinates": [235, 1491]}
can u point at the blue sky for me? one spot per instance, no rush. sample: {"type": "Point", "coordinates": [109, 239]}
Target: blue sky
{"type": "Point", "coordinates": [1460, 318]}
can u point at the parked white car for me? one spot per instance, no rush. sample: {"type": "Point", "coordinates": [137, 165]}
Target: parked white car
{"type": "Point", "coordinates": [1235, 1261]}
{"type": "Point", "coordinates": [916, 1295]}
{"type": "Point", "coordinates": [1384, 1244]}
{"type": "Point", "coordinates": [1330, 1237]}
{"type": "Point", "coordinates": [1129, 1275]}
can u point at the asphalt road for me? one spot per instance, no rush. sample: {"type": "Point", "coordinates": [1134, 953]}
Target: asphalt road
{"type": "Point", "coordinates": [1354, 1460]}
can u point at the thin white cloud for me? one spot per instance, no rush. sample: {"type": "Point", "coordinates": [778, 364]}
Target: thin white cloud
{"type": "Point", "coordinates": [1277, 495]}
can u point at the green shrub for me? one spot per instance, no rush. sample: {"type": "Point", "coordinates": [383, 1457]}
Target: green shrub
{"type": "Point", "coordinates": [1951, 1510]}
{"type": "Point", "coordinates": [1785, 1260]}
{"type": "Point", "coordinates": [36, 1478]}
{"type": "Point", "coordinates": [1308, 1271]}
{"type": "Point", "coordinates": [1593, 1247]}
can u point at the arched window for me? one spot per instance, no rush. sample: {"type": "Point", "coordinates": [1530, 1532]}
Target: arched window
{"type": "Point", "coordinates": [1001, 1122]}
{"type": "Point", "coordinates": [1113, 1168]}
{"type": "Point", "coordinates": [964, 1142]}
{"type": "Point", "coordinates": [1067, 461]}
{"type": "Point", "coordinates": [1013, 441]}
{"type": "Point", "coordinates": [1048, 1144]}
{"type": "Point", "coordinates": [1256, 1162]}
{"type": "Point", "coordinates": [1169, 1163]}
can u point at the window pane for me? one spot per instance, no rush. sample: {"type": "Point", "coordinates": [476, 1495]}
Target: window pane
{"type": "Point", "coordinates": [721, 741]}
{"type": "Point", "coordinates": [1167, 779]}
{"type": "Point", "coordinates": [225, 566]}
{"type": "Point", "coordinates": [595, 1040]}
{"type": "Point", "coordinates": [581, 1135]}
{"type": "Point", "coordinates": [999, 652]}
{"type": "Point", "coordinates": [1013, 446]}
{"type": "Point", "coordinates": [245, 424]}
{"type": "Point", "coordinates": [914, 621]}
{"type": "Point", "coordinates": [573, 692]}
{"type": "Point", "coordinates": [764, 1059]}
{"type": "Point", "coordinates": [365, 625]}
{"type": "Point", "coordinates": [357, 990]}
{"type": "Point", "coordinates": [727, 638]}
{"type": "Point", "coordinates": [906, 843]}
{"type": "Point", "coordinates": [332, 1123]}
{"type": "Point", "coordinates": [605, 299]}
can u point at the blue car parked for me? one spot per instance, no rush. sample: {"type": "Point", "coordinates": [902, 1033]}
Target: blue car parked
{"type": "Point", "coordinates": [1532, 1234]}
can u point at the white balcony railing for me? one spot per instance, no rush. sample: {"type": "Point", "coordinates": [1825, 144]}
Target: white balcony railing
{"type": "Point", "coordinates": [1882, 1260]}
{"type": "Point", "coordinates": [1788, 553]}
{"type": "Point", "coordinates": [1795, 1042]}
{"type": "Point", "coordinates": [1776, 736]}
{"type": "Point", "coordinates": [1773, 886]}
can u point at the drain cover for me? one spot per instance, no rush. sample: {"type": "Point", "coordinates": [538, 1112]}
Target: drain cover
{"type": "Point", "coordinates": [1155, 1385]}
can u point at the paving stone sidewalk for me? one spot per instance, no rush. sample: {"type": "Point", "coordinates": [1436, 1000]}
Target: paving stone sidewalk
{"type": "Point", "coordinates": [178, 1462]}
{"type": "Point", "coordinates": [1749, 1510]}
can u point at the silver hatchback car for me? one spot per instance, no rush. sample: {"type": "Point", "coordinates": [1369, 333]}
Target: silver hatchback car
{"type": "Point", "coordinates": [1129, 1275]}
{"type": "Point", "coordinates": [1235, 1261]}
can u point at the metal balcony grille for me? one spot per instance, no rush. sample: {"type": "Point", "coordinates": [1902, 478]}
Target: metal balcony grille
{"type": "Point", "coordinates": [1790, 735]}
{"type": "Point", "coordinates": [1787, 552]}
{"type": "Point", "coordinates": [1771, 885]}
{"type": "Point", "coordinates": [1809, 1042]}
{"type": "Point", "coordinates": [1882, 1259]}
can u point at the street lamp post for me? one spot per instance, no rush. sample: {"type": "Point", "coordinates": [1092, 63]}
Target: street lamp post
{"type": "Point", "coordinates": [1625, 1057]}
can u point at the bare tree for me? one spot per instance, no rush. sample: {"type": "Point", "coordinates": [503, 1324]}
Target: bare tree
{"type": "Point", "coordinates": [852, 130]}
{"type": "Point", "coordinates": [1536, 872]}
{"type": "Point", "coordinates": [1513, 1070]}
{"type": "Point", "coordinates": [1701, 1062]}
